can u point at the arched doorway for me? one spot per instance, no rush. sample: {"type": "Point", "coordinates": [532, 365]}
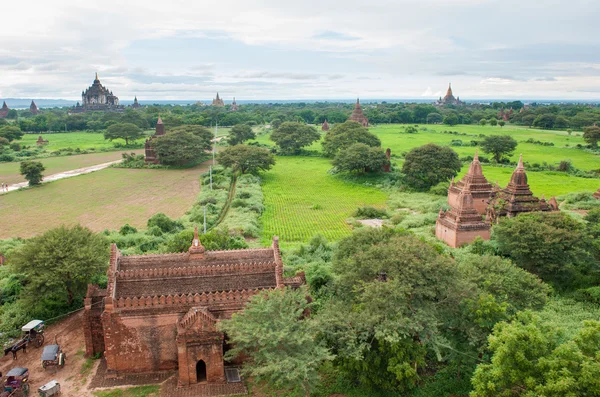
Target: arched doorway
{"type": "Point", "coordinates": [200, 371]}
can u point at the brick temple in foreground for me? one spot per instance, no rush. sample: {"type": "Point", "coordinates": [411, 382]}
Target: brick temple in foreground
{"type": "Point", "coordinates": [160, 312]}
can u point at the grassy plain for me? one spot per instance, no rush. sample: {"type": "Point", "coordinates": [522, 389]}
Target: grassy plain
{"type": "Point", "coordinates": [302, 199]}
{"type": "Point", "coordinates": [64, 140]}
{"type": "Point", "coordinates": [101, 200]}
{"type": "Point", "coordinates": [9, 172]}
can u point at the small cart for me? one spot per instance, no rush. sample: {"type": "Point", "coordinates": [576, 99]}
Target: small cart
{"type": "Point", "coordinates": [16, 384]}
{"type": "Point", "coordinates": [33, 332]}
{"type": "Point", "coordinates": [51, 388]}
{"type": "Point", "coordinates": [53, 356]}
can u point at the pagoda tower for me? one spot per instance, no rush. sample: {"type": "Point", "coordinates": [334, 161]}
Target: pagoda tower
{"type": "Point", "coordinates": [34, 109]}
{"type": "Point", "coordinates": [234, 106]}
{"type": "Point", "coordinates": [481, 189]}
{"type": "Point", "coordinates": [4, 110]}
{"type": "Point", "coordinates": [325, 126]}
{"type": "Point", "coordinates": [150, 155]}
{"type": "Point", "coordinates": [136, 104]}
{"type": "Point", "coordinates": [358, 115]}
{"type": "Point", "coordinates": [218, 101]}
{"type": "Point", "coordinates": [462, 223]}
{"type": "Point", "coordinates": [516, 197]}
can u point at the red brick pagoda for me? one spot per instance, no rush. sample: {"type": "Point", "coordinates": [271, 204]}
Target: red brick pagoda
{"type": "Point", "coordinates": [481, 189]}
{"type": "Point", "coordinates": [462, 223]}
{"type": "Point", "coordinates": [150, 155]}
{"type": "Point", "coordinates": [325, 126]}
{"type": "Point", "coordinates": [34, 109]}
{"type": "Point", "coordinates": [234, 106]}
{"type": "Point", "coordinates": [4, 110]}
{"type": "Point", "coordinates": [358, 115]}
{"type": "Point", "coordinates": [516, 198]}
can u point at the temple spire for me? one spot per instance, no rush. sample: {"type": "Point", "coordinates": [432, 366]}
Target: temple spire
{"type": "Point", "coordinates": [196, 249]}
{"type": "Point", "coordinates": [520, 164]}
{"type": "Point", "coordinates": [97, 77]}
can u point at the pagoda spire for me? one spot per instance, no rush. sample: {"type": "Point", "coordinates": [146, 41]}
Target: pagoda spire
{"type": "Point", "coordinates": [96, 79]}
{"type": "Point", "coordinates": [196, 249]}
{"type": "Point", "coordinates": [520, 164]}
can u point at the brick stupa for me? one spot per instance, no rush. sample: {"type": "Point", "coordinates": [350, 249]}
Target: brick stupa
{"type": "Point", "coordinates": [150, 155]}
{"type": "Point", "coordinates": [481, 189]}
{"type": "Point", "coordinates": [516, 198]}
{"type": "Point", "coordinates": [34, 109]}
{"type": "Point", "coordinates": [234, 106]}
{"type": "Point", "coordinates": [462, 223]}
{"type": "Point", "coordinates": [325, 126]}
{"type": "Point", "coordinates": [358, 115]}
{"type": "Point", "coordinates": [4, 110]}
{"type": "Point", "coordinates": [218, 101]}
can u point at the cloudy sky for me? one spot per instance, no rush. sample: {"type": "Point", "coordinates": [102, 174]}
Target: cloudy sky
{"type": "Point", "coordinates": [310, 49]}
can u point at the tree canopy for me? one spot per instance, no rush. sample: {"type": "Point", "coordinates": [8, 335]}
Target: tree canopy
{"type": "Point", "coordinates": [32, 171]}
{"type": "Point", "coordinates": [590, 134]}
{"type": "Point", "coordinates": [278, 339]}
{"type": "Point", "coordinates": [125, 131]}
{"type": "Point", "coordinates": [246, 158]}
{"type": "Point", "coordinates": [499, 146]}
{"type": "Point", "coordinates": [291, 136]}
{"type": "Point", "coordinates": [11, 133]}
{"type": "Point", "coordinates": [60, 263]}
{"type": "Point", "coordinates": [240, 133]}
{"type": "Point", "coordinates": [180, 147]}
{"type": "Point", "coordinates": [360, 158]}
{"type": "Point", "coordinates": [428, 165]}
{"type": "Point", "coordinates": [343, 135]}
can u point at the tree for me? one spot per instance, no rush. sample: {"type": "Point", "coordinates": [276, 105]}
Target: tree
{"type": "Point", "coordinates": [499, 146]}
{"type": "Point", "coordinates": [590, 134]}
{"type": "Point", "coordinates": [532, 358]}
{"type": "Point", "coordinates": [32, 171]}
{"type": "Point", "coordinates": [434, 118]}
{"type": "Point", "coordinates": [60, 263]}
{"type": "Point", "coordinates": [200, 131]}
{"type": "Point", "coordinates": [278, 339]}
{"type": "Point", "coordinates": [3, 142]}
{"type": "Point", "coordinates": [393, 291]}
{"type": "Point", "coordinates": [240, 133]}
{"type": "Point", "coordinates": [246, 159]}
{"type": "Point", "coordinates": [429, 165]}
{"type": "Point", "coordinates": [291, 136]}
{"type": "Point", "coordinates": [451, 119]}
{"type": "Point", "coordinates": [493, 122]}
{"type": "Point", "coordinates": [126, 131]}
{"type": "Point", "coordinates": [343, 135]}
{"type": "Point", "coordinates": [483, 122]}
{"type": "Point", "coordinates": [360, 157]}
{"type": "Point", "coordinates": [180, 147]}
{"type": "Point", "coordinates": [11, 133]}
{"type": "Point", "coordinates": [501, 123]}
{"type": "Point", "coordinates": [555, 246]}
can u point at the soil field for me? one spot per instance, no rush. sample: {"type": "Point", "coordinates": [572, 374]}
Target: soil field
{"type": "Point", "coordinates": [302, 200]}
{"type": "Point", "coordinates": [9, 172]}
{"type": "Point", "coordinates": [105, 199]}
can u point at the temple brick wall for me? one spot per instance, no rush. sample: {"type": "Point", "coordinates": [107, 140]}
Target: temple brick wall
{"type": "Point", "coordinates": [456, 238]}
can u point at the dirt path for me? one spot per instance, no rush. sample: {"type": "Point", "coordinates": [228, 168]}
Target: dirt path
{"type": "Point", "coordinates": [65, 174]}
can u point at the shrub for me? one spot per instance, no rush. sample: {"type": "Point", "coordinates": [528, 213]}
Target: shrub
{"type": "Point", "coordinates": [370, 213]}
{"type": "Point", "coordinates": [164, 223]}
{"type": "Point", "coordinates": [244, 195]}
{"type": "Point", "coordinates": [6, 157]}
{"type": "Point", "coordinates": [441, 189]}
{"type": "Point", "coordinates": [15, 146]}
{"type": "Point", "coordinates": [239, 203]}
{"type": "Point", "coordinates": [154, 231]}
{"type": "Point", "coordinates": [127, 229]}
{"type": "Point", "coordinates": [208, 200]}
{"type": "Point", "coordinates": [591, 294]}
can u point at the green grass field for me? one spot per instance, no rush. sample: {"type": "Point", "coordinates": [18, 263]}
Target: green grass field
{"type": "Point", "coordinates": [81, 140]}
{"type": "Point", "coordinates": [101, 200]}
{"type": "Point", "coordinates": [9, 172]}
{"type": "Point", "coordinates": [302, 199]}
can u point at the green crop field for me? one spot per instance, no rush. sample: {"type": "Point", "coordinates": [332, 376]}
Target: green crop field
{"type": "Point", "coordinates": [302, 199]}
{"type": "Point", "coordinates": [9, 172]}
{"type": "Point", "coordinates": [81, 140]}
{"type": "Point", "coordinates": [101, 200]}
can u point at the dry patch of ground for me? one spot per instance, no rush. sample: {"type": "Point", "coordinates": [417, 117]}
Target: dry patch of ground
{"type": "Point", "coordinates": [101, 200]}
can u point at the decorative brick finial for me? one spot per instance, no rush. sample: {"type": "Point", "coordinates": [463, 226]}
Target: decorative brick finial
{"type": "Point", "coordinates": [196, 249]}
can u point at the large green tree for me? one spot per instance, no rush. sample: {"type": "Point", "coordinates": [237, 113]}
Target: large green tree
{"type": "Point", "coordinates": [499, 146]}
{"type": "Point", "coordinates": [555, 246]}
{"type": "Point", "coordinates": [11, 133]}
{"type": "Point", "coordinates": [291, 136]}
{"type": "Point", "coordinates": [532, 358]}
{"type": "Point", "coordinates": [125, 131]}
{"type": "Point", "coordinates": [590, 134]}
{"type": "Point", "coordinates": [279, 341]}
{"type": "Point", "coordinates": [200, 131]}
{"type": "Point", "coordinates": [32, 171]}
{"type": "Point", "coordinates": [428, 165]}
{"type": "Point", "coordinates": [60, 263]}
{"type": "Point", "coordinates": [344, 135]}
{"type": "Point", "coordinates": [180, 147]}
{"type": "Point", "coordinates": [360, 158]}
{"type": "Point", "coordinates": [240, 133]}
{"type": "Point", "coordinates": [246, 158]}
